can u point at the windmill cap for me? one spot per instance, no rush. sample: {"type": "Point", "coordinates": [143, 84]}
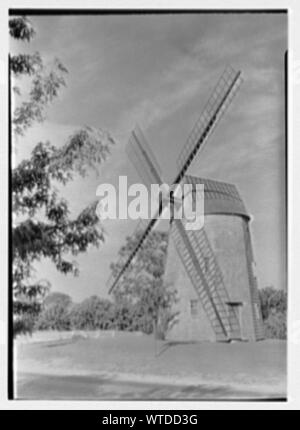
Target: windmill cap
{"type": "Point", "coordinates": [220, 197]}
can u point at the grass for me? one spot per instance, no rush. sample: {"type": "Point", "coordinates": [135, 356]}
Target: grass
{"type": "Point", "coordinates": [128, 356]}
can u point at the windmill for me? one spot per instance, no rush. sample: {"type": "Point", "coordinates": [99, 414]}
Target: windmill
{"type": "Point", "coordinates": [205, 285]}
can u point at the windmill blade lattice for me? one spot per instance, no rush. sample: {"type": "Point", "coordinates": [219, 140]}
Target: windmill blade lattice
{"type": "Point", "coordinates": [216, 106]}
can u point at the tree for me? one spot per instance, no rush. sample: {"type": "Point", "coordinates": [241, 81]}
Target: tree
{"type": "Point", "coordinates": [93, 313]}
{"type": "Point", "coordinates": [54, 317]}
{"type": "Point", "coordinates": [141, 289]}
{"type": "Point", "coordinates": [272, 301]}
{"type": "Point", "coordinates": [274, 309]}
{"type": "Point", "coordinates": [276, 326]}
{"type": "Point", "coordinates": [55, 314]}
{"type": "Point", "coordinates": [57, 298]}
{"type": "Point", "coordinates": [42, 225]}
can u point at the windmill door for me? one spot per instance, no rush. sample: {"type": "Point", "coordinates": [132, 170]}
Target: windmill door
{"type": "Point", "coordinates": [234, 314]}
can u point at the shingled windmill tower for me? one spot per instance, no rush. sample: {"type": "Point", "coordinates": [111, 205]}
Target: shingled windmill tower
{"type": "Point", "coordinates": [211, 269]}
{"type": "Point", "coordinates": [215, 278]}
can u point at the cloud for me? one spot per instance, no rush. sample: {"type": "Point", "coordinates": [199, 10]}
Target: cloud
{"type": "Point", "coordinates": [158, 71]}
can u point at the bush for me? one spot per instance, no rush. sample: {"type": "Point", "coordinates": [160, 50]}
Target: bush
{"type": "Point", "coordinates": [275, 326]}
{"type": "Point", "coordinates": [54, 317]}
{"type": "Point", "coordinates": [146, 314]}
{"type": "Point", "coordinates": [57, 297]}
{"type": "Point", "coordinates": [91, 314]}
{"type": "Point", "coordinates": [24, 324]}
{"type": "Point", "coordinates": [272, 300]}
{"type": "Point", "coordinates": [274, 310]}
{"type": "Point", "coordinates": [25, 313]}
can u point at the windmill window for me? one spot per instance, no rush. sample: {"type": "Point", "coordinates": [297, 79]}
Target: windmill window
{"type": "Point", "coordinates": [194, 307]}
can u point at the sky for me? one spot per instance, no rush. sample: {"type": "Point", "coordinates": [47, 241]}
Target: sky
{"type": "Point", "coordinates": [158, 71]}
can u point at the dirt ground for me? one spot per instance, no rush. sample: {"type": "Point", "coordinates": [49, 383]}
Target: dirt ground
{"type": "Point", "coordinates": [133, 366]}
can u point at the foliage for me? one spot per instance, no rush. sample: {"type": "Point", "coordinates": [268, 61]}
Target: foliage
{"type": "Point", "coordinates": [91, 314]}
{"type": "Point", "coordinates": [55, 313]}
{"type": "Point", "coordinates": [141, 303]}
{"type": "Point", "coordinates": [20, 28]}
{"type": "Point", "coordinates": [27, 305]}
{"type": "Point", "coordinates": [57, 298]}
{"type": "Point", "coordinates": [46, 80]}
{"type": "Point", "coordinates": [24, 324]}
{"type": "Point", "coordinates": [272, 300]}
{"type": "Point", "coordinates": [275, 326]}
{"type": "Point", "coordinates": [43, 227]}
{"type": "Point", "coordinates": [274, 308]}
{"type": "Point", "coordinates": [60, 313]}
{"type": "Point", "coordinates": [54, 317]}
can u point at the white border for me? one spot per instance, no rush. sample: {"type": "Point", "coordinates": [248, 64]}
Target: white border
{"type": "Point", "coordinates": [293, 205]}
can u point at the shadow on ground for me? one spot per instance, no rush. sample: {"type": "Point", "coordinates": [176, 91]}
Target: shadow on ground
{"type": "Point", "coordinates": [44, 387]}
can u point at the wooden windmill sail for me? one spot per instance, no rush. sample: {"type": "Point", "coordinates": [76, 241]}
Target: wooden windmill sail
{"type": "Point", "coordinates": [193, 247]}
